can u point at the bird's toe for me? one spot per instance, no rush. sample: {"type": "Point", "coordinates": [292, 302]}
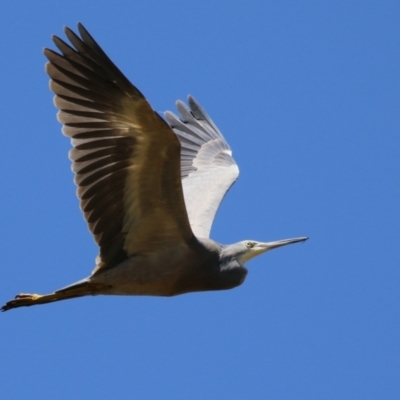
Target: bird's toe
{"type": "Point", "coordinates": [20, 300]}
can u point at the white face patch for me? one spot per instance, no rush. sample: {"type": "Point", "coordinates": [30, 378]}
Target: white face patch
{"type": "Point", "coordinates": [252, 249]}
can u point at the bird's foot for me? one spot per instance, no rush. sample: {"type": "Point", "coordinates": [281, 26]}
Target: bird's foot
{"type": "Point", "coordinates": [22, 299]}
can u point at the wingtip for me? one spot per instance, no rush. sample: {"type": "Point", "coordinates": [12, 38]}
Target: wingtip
{"type": "Point", "coordinates": [192, 101]}
{"type": "Point", "coordinates": [82, 30]}
{"type": "Point", "coordinates": [54, 38]}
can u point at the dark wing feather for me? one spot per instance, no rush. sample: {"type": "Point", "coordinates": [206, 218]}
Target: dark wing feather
{"type": "Point", "coordinates": [125, 157]}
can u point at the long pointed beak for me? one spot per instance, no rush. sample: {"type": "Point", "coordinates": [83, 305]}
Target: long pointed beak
{"type": "Point", "coordinates": [280, 243]}
{"type": "Point", "coordinates": [260, 248]}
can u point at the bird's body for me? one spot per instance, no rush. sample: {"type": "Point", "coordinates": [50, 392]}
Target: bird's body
{"type": "Point", "coordinates": [171, 271]}
{"type": "Point", "coordinates": [149, 188]}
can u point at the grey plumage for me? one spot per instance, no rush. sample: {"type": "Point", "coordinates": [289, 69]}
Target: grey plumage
{"type": "Point", "coordinates": [149, 189]}
{"type": "Point", "coordinates": [207, 167]}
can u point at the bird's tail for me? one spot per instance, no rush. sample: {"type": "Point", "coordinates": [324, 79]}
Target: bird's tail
{"type": "Point", "coordinates": [82, 288]}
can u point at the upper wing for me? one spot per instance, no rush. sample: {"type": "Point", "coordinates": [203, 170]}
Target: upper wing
{"type": "Point", "coordinates": [207, 167]}
{"type": "Point", "coordinates": [125, 156]}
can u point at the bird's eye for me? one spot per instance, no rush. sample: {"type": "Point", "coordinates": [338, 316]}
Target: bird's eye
{"type": "Point", "coordinates": [249, 245]}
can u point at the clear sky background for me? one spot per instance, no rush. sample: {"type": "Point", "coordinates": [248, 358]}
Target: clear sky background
{"type": "Point", "coordinates": [308, 94]}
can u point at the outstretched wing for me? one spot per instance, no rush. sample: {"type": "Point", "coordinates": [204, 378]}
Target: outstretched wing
{"type": "Point", "coordinates": [125, 156]}
{"type": "Point", "coordinates": [207, 167]}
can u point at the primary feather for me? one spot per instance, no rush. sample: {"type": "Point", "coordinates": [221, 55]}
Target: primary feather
{"type": "Point", "coordinates": [207, 167]}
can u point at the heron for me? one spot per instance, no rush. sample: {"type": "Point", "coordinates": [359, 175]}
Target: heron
{"type": "Point", "coordinates": [149, 187]}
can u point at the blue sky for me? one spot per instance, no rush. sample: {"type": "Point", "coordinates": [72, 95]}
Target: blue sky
{"type": "Point", "coordinates": [307, 94]}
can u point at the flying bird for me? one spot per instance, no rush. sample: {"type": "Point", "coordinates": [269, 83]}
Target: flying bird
{"type": "Point", "coordinates": [149, 187]}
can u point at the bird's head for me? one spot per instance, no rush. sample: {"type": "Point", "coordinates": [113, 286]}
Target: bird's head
{"type": "Point", "coordinates": [247, 249]}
